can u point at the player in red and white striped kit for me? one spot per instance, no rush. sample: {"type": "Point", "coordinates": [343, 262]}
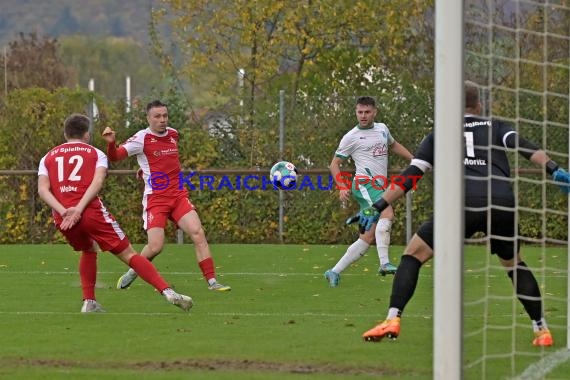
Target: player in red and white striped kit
{"type": "Point", "coordinates": [164, 198]}
{"type": "Point", "coordinates": [70, 177]}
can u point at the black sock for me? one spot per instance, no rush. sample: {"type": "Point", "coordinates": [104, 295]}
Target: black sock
{"type": "Point", "coordinates": [405, 282]}
{"type": "Point", "coordinates": [528, 291]}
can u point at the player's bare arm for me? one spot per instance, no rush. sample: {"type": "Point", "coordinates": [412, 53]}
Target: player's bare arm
{"type": "Point", "coordinates": [93, 189]}
{"type": "Point", "coordinates": [44, 191]}
{"type": "Point", "coordinates": [334, 168]}
{"type": "Point", "coordinates": [401, 151]}
{"type": "Point", "coordinates": [73, 214]}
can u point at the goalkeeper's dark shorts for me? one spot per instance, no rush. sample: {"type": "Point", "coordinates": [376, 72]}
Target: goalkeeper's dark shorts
{"type": "Point", "coordinates": [502, 231]}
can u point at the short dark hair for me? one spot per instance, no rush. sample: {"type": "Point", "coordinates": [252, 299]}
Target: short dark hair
{"type": "Point", "coordinates": [366, 101]}
{"type": "Point", "coordinates": [471, 94]}
{"type": "Point", "coordinates": [76, 126]}
{"type": "Point", "coordinates": [154, 104]}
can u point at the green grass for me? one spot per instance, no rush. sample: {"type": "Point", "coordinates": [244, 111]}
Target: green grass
{"type": "Point", "coordinates": [280, 321]}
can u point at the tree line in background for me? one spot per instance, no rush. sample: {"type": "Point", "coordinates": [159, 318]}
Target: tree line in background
{"type": "Point", "coordinates": [221, 70]}
{"type": "Point", "coordinates": [39, 61]}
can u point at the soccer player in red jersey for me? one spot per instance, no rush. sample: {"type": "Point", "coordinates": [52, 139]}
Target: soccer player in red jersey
{"type": "Point", "coordinates": [164, 198]}
{"type": "Point", "coordinates": [69, 178]}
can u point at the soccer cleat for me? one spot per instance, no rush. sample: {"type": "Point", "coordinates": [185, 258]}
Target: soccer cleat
{"type": "Point", "coordinates": [333, 278]}
{"type": "Point", "coordinates": [91, 306]}
{"type": "Point", "coordinates": [543, 338]}
{"type": "Point", "coordinates": [219, 287]}
{"type": "Point", "coordinates": [127, 279]}
{"type": "Point", "coordinates": [390, 329]}
{"type": "Point", "coordinates": [387, 268]}
{"type": "Point", "coordinates": [182, 301]}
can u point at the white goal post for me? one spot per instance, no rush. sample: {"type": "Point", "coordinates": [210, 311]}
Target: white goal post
{"type": "Point", "coordinates": [518, 51]}
{"type": "Point", "coordinates": [448, 193]}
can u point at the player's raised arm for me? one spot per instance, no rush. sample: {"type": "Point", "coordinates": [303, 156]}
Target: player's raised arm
{"type": "Point", "coordinates": [113, 152]}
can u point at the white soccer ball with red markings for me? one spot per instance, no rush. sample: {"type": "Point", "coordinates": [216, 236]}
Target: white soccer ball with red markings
{"type": "Point", "coordinates": [284, 175]}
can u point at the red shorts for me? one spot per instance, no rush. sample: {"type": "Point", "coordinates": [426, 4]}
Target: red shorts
{"type": "Point", "coordinates": [98, 225]}
{"type": "Point", "coordinates": [159, 208]}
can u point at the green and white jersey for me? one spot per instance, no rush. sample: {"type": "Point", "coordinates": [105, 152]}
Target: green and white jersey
{"type": "Point", "coordinates": [368, 149]}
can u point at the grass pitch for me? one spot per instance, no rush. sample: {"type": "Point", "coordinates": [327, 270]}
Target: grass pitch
{"type": "Point", "coordinates": [280, 321]}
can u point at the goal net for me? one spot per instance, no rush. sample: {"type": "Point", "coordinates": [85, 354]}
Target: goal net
{"type": "Point", "coordinates": [518, 52]}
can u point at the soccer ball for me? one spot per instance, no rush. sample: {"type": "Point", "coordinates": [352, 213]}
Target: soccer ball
{"type": "Point", "coordinates": [284, 175]}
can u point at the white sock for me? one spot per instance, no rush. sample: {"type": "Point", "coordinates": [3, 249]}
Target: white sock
{"type": "Point", "coordinates": [543, 325]}
{"type": "Point", "coordinates": [212, 281]}
{"type": "Point", "coordinates": [353, 253]}
{"type": "Point", "coordinates": [382, 234]}
{"type": "Point", "coordinates": [392, 313]}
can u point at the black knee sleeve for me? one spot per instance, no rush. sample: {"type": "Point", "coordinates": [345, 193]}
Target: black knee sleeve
{"type": "Point", "coordinates": [527, 290]}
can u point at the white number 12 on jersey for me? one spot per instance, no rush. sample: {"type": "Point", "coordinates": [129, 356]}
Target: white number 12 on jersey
{"type": "Point", "coordinates": [73, 160]}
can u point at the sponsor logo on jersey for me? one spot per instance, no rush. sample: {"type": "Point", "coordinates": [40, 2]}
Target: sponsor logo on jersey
{"type": "Point", "coordinates": [380, 150]}
{"type": "Point", "coordinates": [158, 153]}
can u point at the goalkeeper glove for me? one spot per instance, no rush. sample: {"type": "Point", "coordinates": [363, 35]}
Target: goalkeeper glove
{"type": "Point", "coordinates": [563, 178]}
{"type": "Point", "coordinates": [365, 218]}
{"type": "Point", "coordinates": [368, 217]}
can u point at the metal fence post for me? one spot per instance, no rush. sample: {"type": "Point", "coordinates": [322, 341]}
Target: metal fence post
{"type": "Point", "coordinates": [409, 216]}
{"type": "Point", "coordinates": [281, 149]}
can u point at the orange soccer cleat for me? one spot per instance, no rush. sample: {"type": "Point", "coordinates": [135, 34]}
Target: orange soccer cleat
{"type": "Point", "coordinates": [543, 338]}
{"type": "Point", "coordinates": [390, 328]}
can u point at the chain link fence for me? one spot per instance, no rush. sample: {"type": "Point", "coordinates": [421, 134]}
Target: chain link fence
{"type": "Point", "coordinates": [229, 150]}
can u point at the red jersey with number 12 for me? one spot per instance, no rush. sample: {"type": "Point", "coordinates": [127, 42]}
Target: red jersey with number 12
{"type": "Point", "coordinates": [70, 168]}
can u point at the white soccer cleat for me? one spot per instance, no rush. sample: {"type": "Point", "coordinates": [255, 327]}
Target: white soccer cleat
{"type": "Point", "coordinates": [91, 306]}
{"type": "Point", "coordinates": [219, 287]}
{"type": "Point", "coordinates": [127, 279]}
{"type": "Point", "coordinates": [182, 301]}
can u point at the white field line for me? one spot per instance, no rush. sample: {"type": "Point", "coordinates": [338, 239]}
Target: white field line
{"type": "Point", "coordinates": [279, 274]}
{"type": "Point", "coordinates": [237, 314]}
{"type": "Point", "coordinates": [544, 366]}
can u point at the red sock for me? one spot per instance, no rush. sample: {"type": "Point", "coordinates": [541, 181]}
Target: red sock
{"type": "Point", "coordinates": [148, 272]}
{"type": "Point", "coordinates": [88, 274]}
{"type": "Point", "coordinates": [207, 267]}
